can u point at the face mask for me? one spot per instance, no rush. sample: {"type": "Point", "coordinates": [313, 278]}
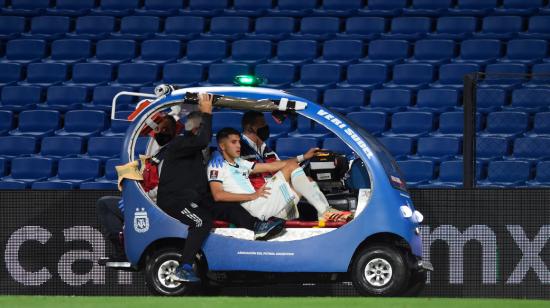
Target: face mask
{"type": "Point", "coordinates": [163, 138]}
{"type": "Point", "coordinates": [263, 133]}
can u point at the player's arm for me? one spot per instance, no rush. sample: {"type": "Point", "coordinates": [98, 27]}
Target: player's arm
{"type": "Point", "coordinates": [222, 196]}
{"type": "Point", "coordinates": [268, 167]}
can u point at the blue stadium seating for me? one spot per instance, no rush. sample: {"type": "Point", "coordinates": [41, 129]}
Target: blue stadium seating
{"type": "Point", "coordinates": [50, 185]}
{"type": "Point", "coordinates": [18, 98]}
{"type": "Point", "coordinates": [83, 123]}
{"type": "Point", "coordinates": [205, 51]}
{"type": "Point", "coordinates": [116, 7]}
{"type": "Point", "coordinates": [344, 100]}
{"type": "Point", "coordinates": [525, 51]}
{"type": "Point", "coordinates": [11, 27]}
{"type": "Point", "coordinates": [227, 28]}
{"type": "Point", "coordinates": [451, 124]}
{"type": "Point", "coordinates": [64, 98]}
{"type": "Point", "coordinates": [182, 27]}
{"type": "Point", "coordinates": [542, 177]}
{"type": "Point", "coordinates": [506, 124]}
{"type": "Point", "coordinates": [61, 146]}
{"type": "Point", "coordinates": [137, 74]}
{"type": "Point", "coordinates": [341, 51]}
{"type": "Point", "coordinates": [104, 147]}
{"type": "Point", "coordinates": [532, 149]}
{"type": "Point", "coordinates": [292, 147]}
{"type": "Point", "coordinates": [363, 28]}
{"type": "Point", "coordinates": [307, 93]}
{"type": "Point", "coordinates": [46, 74]}
{"type": "Point", "coordinates": [411, 124]}
{"type": "Point", "coordinates": [317, 28]}
{"type": "Point", "coordinates": [320, 76]}
{"type": "Point", "coordinates": [24, 51]}
{"type": "Point", "coordinates": [339, 7]}
{"type": "Point", "coordinates": [539, 28]}
{"type": "Point", "coordinates": [137, 27]}
{"type": "Point", "coordinates": [272, 28]}
{"type": "Point", "coordinates": [480, 51]}
{"type": "Point", "coordinates": [454, 28]}
{"type": "Point", "coordinates": [337, 145]}
{"type": "Point", "coordinates": [500, 27]}
{"type": "Point", "coordinates": [250, 51]}
{"type": "Point", "coordinates": [408, 28]}
{"type": "Point", "coordinates": [502, 174]}
{"type": "Point", "coordinates": [6, 122]}
{"type": "Point", "coordinates": [71, 7]}
{"type": "Point", "coordinates": [412, 76]}
{"type": "Point", "coordinates": [501, 75]}
{"type": "Point", "coordinates": [390, 100]}
{"type": "Point", "coordinates": [76, 171]}
{"type": "Point", "coordinates": [519, 7]}
{"type": "Point", "coordinates": [277, 130]}
{"type": "Point", "coordinates": [48, 27]}
{"type": "Point", "coordinates": [399, 147]}
{"type": "Point", "coordinates": [541, 75]}
{"type": "Point", "coordinates": [530, 99]}
{"type": "Point", "coordinates": [491, 148]}
{"type": "Point", "coordinates": [433, 51]}
{"type": "Point", "coordinates": [114, 51]}
{"type": "Point", "coordinates": [119, 124]}
{"type": "Point", "coordinates": [374, 122]}
{"type": "Point", "coordinates": [306, 128]}
{"type": "Point", "coordinates": [183, 74]}
{"type": "Point", "coordinates": [428, 8]}
{"type": "Point", "coordinates": [108, 181]}
{"type": "Point", "coordinates": [37, 123]}
{"type": "Point", "coordinates": [417, 172]}
{"type": "Point", "coordinates": [205, 7]}
{"type": "Point", "coordinates": [383, 7]}
{"type": "Point", "coordinates": [277, 75]}
{"type": "Point", "coordinates": [451, 75]}
{"type": "Point", "coordinates": [490, 99]}
{"type": "Point", "coordinates": [224, 73]}
{"type": "Point", "coordinates": [91, 74]}
{"type": "Point", "coordinates": [295, 51]}
{"type": "Point", "coordinates": [450, 175]}
{"type": "Point", "coordinates": [365, 75]}
{"type": "Point", "coordinates": [226, 119]}
{"type": "Point", "coordinates": [10, 73]}
{"type": "Point", "coordinates": [438, 148]}
{"type": "Point", "coordinates": [102, 98]}
{"type": "Point", "coordinates": [473, 7]}
{"type": "Point", "coordinates": [160, 51]}
{"type": "Point", "coordinates": [387, 51]}
{"type": "Point", "coordinates": [293, 8]}
{"type": "Point", "coordinates": [30, 169]}
{"type": "Point", "coordinates": [160, 7]}
{"type": "Point", "coordinates": [26, 7]}
{"type": "Point", "coordinates": [436, 100]}
{"type": "Point", "coordinates": [70, 51]}
{"type": "Point", "coordinates": [93, 27]}
{"type": "Point", "coordinates": [3, 166]}
{"type": "Point", "coordinates": [541, 125]}
{"type": "Point", "coordinates": [12, 146]}
{"type": "Point", "coordinates": [249, 7]}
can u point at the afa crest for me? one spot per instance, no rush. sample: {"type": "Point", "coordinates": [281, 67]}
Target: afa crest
{"type": "Point", "coordinates": [141, 221]}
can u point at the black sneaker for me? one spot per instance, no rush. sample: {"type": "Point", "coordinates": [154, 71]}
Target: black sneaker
{"type": "Point", "coordinates": [266, 230]}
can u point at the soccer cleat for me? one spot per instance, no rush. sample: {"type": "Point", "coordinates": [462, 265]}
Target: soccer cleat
{"type": "Point", "coordinates": [333, 215]}
{"type": "Point", "coordinates": [266, 230]}
{"type": "Point", "coordinates": [185, 275]}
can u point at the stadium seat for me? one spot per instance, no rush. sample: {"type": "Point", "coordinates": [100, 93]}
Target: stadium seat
{"type": "Point", "coordinates": [24, 51]}
{"type": "Point", "coordinates": [451, 75]}
{"type": "Point", "coordinates": [6, 122]}
{"type": "Point", "coordinates": [250, 51]}
{"type": "Point", "coordinates": [541, 75]}
{"type": "Point", "coordinates": [341, 8]}
{"type": "Point", "coordinates": [525, 51]}
{"type": "Point", "coordinates": [277, 75]}
{"type": "Point", "coordinates": [224, 73]}
{"type": "Point", "coordinates": [307, 128]}
{"type": "Point", "coordinates": [293, 8]}
{"type": "Point", "coordinates": [337, 145]}
{"type": "Point", "coordinates": [436, 100]}
{"type": "Point", "coordinates": [411, 76]}
{"type": "Point", "coordinates": [114, 51]}
{"type": "Point", "coordinates": [61, 146]}
{"type": "Point", "coordinates": [37, 123]}
{"type": "Point", "coordinates": [104, 147]}
{"type": "Point", "coordinates": [292, 147]}
{"type": "Point", "coordinates": [13, 146]}
{"type": "Point", "coordinates": [160, 7]}
{"type": "Point", "coordinates": [26, 7]}
{"type": "Point", "coordinates": [83, 123]}
{"type": "Point", "coordinates": [137, 27]}
{"type": "Point", "coordinates": [428, 8]}
{"type": "Point", "coordinates": [70, 51]}
{"type": "Point", "coordinates": [102, 98]}
{"type": "Point", "coordinates": [474, 7]}
{"type": "Point", "coordinates": [183, 74]}
{"type": "Point", "coordinates": [3, 166]}
{"type": "Point", "coordinates": [482, 51]}
{"type": "Point", "coordinates": [519, 7]}
{"type": "Point", "coordinates": [344, 100]}
{"type": "Point", "coordinates": [19, 98]}
{"type": "Point", "coordinates": [48, 27]}
{"type": "Point", "coordinates": [227, 28]}
{"type": "Point", "coordinates": [91, 74]}
{"type": "Point", "coordinates": [93, 27]}
{"type": "Point", "coordinates": [501, 75]}
{"type": "Point", "coordinates": [253, 8]}
{"type": "Point", "coordinates": [320, 76]}
{"type": "Point", "coordinates": [272, 28]}
{"type": "Point", "coordinates": [226, 119]}
{"type": "Point", "coordinates": [11, 27]}
{"type": "Point", "coordinates": [542, 175]}
{"type": "Point", "coordinates": [531, 149]}
{"type": "Point", "coordinates": [107, 185]}
{"type": "Point", "coordinates": [502, 174]}
{"type": "Point", "coordinates": [491, 148]}
{"type": "Point", "coordinates": [205, 7]}
{"type": "Point", "coordinates": [539, 28]}
{"type": "Point", "coordinates": [452, 124]}
{"type": "Point", "coordinates": [306, 93]}
{"type": "Point", "coordinates": [363, 28]}
{"type": "Point", "coordinates": [50, 185]}
{"type": "Point", "coordinates": [64, 98]}
{"type": "Point", "coordinates": [341, 51]}
{"type": "Point", "coordinates": [10, 73]}
{"type": "Point", "coordinates": [117, 8]}
{"type": "Point", "coordinates": [205, 51]}
{"type": "Point", "coordinates": [12, 185]}
{"type": "Point", "coordinates": [295, 51]}
{"type": "Point", "coordinates": [317, 28]}
{"type": "Point", "coordinates": [277, 130]}
{"type": "Point", "coordinates": [451, 175]}
{"type": "Point", "coordinates": [417, 172]}
{"type": "Point", "coordinates": [374, 122]}
{"type": "Point", "coordinates": [438, 148]}
{"type": "Point", "coordinates": [389, 100]}
{"type": "Point", "coordinates": [383, 7]}
{"type": "Point", "coordinates": [30, 169]}
{"type": "Point", "coordinates": [530, 99]}
{"type": "Point", "coordinates": [433, 51]}
{"type": "Point", "coordinates": [500, 27]}
{"type": "Point", "coordinates": [119, 125]}
{"type": "Point", "coordinates": [387, 51]}
{"type": "Point", "coordinates": [408, 28]}
{"type": "Point", "coordinates": [71, 7]}
{"type": "Point", "coordinates": [411, 124]}
{"type": "Point", "coordinates": [182, 28]}
{"type": "Point", "coordinates": [137, 74]}
{"type": "Point", "coordinates": [541, 125]}
{"type": "Point", "coordinates": [365, 75]}
{"type": "Point", "coordinates": [160, 51]}
{"type": "Point", "coordinates": [46, 74]}
{"type": "Point", "coordinates": [76, 171]}
{"type": "Point", "coordinates": [399, 147]}
{"type": "Point", "coordinates": [490, 99]}
{"type": "Point", "coordinates": [506, 124]}
{"type": "Point", "coordinates": [454, 28]}
{"type": "Point", "coordinates": [106, 182]}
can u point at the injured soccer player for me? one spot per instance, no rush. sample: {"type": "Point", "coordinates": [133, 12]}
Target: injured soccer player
{"type": "Point", "coordinates": [277, 198]}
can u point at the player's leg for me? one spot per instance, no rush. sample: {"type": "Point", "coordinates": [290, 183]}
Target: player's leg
{"type": "Point", "coordinates": [111, 218]}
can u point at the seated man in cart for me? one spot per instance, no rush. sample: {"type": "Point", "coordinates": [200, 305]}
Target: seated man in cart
{"type": "Point", "coordinates": [278, 197]}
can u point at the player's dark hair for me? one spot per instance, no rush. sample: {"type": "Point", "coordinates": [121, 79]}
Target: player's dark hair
{"type": "Point", "coordinates": [249, 118]}
{"type": "Point", "coordinates": [225, 133]}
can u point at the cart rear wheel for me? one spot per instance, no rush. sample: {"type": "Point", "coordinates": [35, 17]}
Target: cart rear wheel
{"type": "Point", "coordinates": [159, 273]}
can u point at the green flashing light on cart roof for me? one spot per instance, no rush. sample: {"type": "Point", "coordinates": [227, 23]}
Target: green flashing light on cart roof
{"type": "Point", "coordinates": [248, 80]}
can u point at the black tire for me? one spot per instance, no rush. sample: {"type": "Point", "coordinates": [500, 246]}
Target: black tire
{"type": "Point", "coordinates": [417, 283]}
{"type": "Point", "coordinates": [168, 259]}
{"type": "Point", "coordinates": [389, 275]}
